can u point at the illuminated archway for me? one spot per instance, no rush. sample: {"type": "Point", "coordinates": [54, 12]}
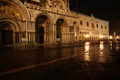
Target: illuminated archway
{"type": "Point", "coordinates": [42, 26]}
{"type": "Point", "coordinates": [13, 9]}
{"type": "Point", "coordinates": [61, 25]}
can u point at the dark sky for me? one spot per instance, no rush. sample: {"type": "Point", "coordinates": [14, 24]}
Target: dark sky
{"type": "Point", "coordinates": [104, 9]}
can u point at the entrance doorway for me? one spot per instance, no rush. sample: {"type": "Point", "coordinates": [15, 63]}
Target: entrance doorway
{"type": "Point", "coordinates": [41, 35]}
{"type": "Point", "coordinates": [42, 29]}
{"type": "Point", "coordinates": [6, 34]}
{"type": "Point", "coordinates": [7, 37]}
{"type": "Point", "coordinates": [60, 29]}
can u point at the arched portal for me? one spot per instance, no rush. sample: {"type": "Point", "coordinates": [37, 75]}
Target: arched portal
{"type": "Point", "coordinates": [6, 33]}
{"type": "Point", "coordinates": [13, 15]}
{"type": "Point", "coordinates": [42, 29]}
{"type": "Point", "coordinates": [61, 28]}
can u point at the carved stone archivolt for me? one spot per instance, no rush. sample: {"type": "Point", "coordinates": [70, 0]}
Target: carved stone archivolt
{"type": "Point", "coordinates": [14, 8]}
{"type": "Point", "coordinates": [17, 26]}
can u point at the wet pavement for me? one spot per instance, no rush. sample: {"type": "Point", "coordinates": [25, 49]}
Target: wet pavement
{"type": "Point", "coordinates": [87, 62]}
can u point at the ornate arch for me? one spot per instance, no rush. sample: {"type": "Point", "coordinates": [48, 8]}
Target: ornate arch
{"type": "Point", "coordinates": [15, 24]}
{"type": "Point", "coordinates": [67, 21]}
{"type": "Point", "coordinates": [19, 5]}
{"type": "Point", "coordinates": [75, 23]}
{"type": "Point", "coordinates": [40, 14]}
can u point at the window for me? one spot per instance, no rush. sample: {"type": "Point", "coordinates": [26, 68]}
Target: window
{"type": "Point", "coordinates": [97, 25]}
{"type": "Point", "coordinates": [93, 27]}
{"type": "Point", "coordinates": [87, 24]}
{"type": "Point", "coordinates": [101, 26]}
{"type": "Point", "coordinates": [81, 23]}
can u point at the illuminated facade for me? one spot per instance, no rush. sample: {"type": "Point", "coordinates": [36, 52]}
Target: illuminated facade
{"type": "Point", "coordinates": [47, 22]}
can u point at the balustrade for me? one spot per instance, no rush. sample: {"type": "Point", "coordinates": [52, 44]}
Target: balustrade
{"type": "Point", "coordinates": [56, 11]}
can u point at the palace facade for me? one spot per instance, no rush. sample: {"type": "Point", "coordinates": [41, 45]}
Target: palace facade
{"type": "Point", "coordinates": [47, 22]}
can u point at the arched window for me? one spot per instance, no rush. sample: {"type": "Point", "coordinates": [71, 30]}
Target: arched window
{"type": "Point", "coordinates": [81, 23]}
{"type": "Point", "coordinates": [93, 27]}
{"type": "Point", "coordinates": [101, 26]}
{"type": "Point", "coordinates": [97, 25]}
{"type": "Point", "coordinates": [87, 24]}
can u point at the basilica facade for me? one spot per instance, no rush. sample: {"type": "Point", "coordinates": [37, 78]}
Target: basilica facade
{"type": "Point", "coordinates": [47, 22]}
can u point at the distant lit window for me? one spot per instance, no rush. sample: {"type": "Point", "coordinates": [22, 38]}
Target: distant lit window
{"type": "Point", "coordinates": [81, 23]}
{"type": "Point", "coordinates": [87, 24]}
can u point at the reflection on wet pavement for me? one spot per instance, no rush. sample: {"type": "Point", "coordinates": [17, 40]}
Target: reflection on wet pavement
{"type": "Point", "coordinates": [91, 62]}
{"type": "Point", "coordinates": [115, 49]}
{"type": "Point", "coordinates": [87, 56]}
{"type": "Point", "coordinates": [96, 52]}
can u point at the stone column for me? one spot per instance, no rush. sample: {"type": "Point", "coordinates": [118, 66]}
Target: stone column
{"type": "Point", "coordinates": [13, 37]}
{"type": "Point", "coordinates": [0, 37]}
{"type": "Point", "coordinates": [45, 34]}
{"type": "Point", "coordinates": [29, 37]}
{"type": "Point", "coordinates": [34, 37]}
{"type": "Point", "coordinates": [26, 37]}
{"type": "Point", "coordinates": [19, 37]}
{"type": "Point", "coordinates": [54, 32]}
{"type": "Point", "coordinates": [26, 34]}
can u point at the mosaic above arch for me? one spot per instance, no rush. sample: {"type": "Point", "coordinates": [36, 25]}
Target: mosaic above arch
{"type": "Point", "coordinates": [8, 9]}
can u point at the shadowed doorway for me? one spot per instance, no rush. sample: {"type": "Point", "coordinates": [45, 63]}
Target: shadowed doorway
{"type": "Point", "coordinates": [42, 29]}
{"type": "Point", "coordinates": [6, 31]}
{"type": "Point", "coordinates": [41, 35]}
{"type": "Point", "coordinates": [60, 29]}
{"type": "Point", "coordinates": [7, 37]}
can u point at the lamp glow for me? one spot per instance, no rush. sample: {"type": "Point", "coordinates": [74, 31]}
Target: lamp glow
{"type": "Point", "coordinates": [101, 36]}
{"type": "Point", "coordinates": [111, 37]}
{"type": "Point", "coordinates": [117, 37]}
{"type": "Point", "coordinates": [86, 36]}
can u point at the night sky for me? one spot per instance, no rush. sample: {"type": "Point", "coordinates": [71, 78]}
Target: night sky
{"type": "Point", "coordinates": [104, 9]}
